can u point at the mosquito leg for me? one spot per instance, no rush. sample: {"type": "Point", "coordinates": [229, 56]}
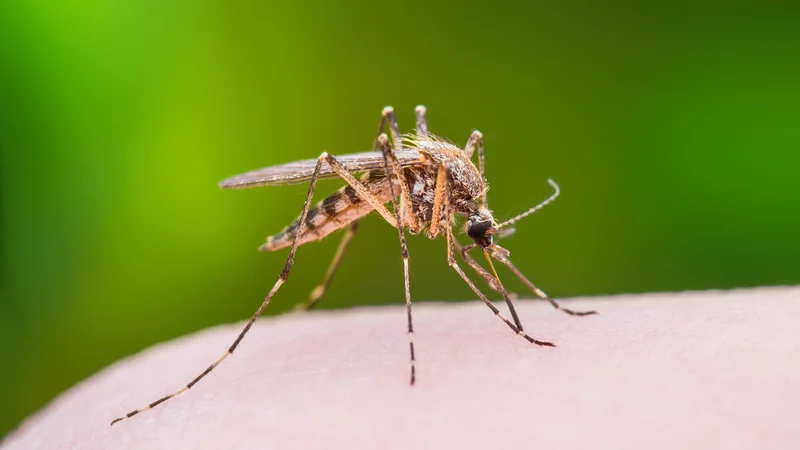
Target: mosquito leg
{"type": "Point", "coordinates": [440, 197]}
{"type": "Point", "coordinates": [512, 295]}
{"type": "Point", "coordinates": [359, 188]}
{"type": "Point", "coordinates": [394, 129]}
{"type": "Point", "coordinates": [493, 282]}
{"type": "Point", "coordinates": [320, 290]}
{"type": "Point", "coordinates": [540, 293]}
{"type": "Point", "coordinates": [451, 260]}
{"type": "Point", "coordinates": [405, 199]}
{"type": "Point", "coordinates": [281, 279]}
{"type": "Point", "coordinates": [476, 140]}
{"type": "Point", "coordinates": [391, 165]}
{"type": "Point", "coordinates": [422, 122]}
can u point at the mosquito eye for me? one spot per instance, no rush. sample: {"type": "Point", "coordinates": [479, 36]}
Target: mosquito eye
{"type": "Point", "coordinates": [478, 230]}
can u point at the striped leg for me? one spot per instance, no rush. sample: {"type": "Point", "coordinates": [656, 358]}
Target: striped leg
{"type": "Point", "coordinates": [320, 290]}
{"type": "Point", "coordinates": [360, 190]}
{"type": "Point", "coordinates": [441, 203]}
{"type": "Point", "coordinates": [392, 169]}
{"type": "Point", "coordinates": [406, 219]}
{"type": "Point", "coordinates": [359, 187]}
{"type": "Point", "coordinates": [501, 255]}
{"type": "Point", "coordinates": [388, 118]}
{"type": "Point", "coordinates": [422, 122]}
{"type": "Point", "coordinates": [494, 282]}
{"type": "Point", "coordinates": [451, 260]}
{"type": "Point", "coordinates": [281, 279]}
{"type": "Point", "coordinates": [476, 139]}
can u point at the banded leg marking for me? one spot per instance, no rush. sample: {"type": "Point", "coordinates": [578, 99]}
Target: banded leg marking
{"type": "Point", "coordinates": [281, 279]}
{"type": "Point", "coordinates": [318, 292]}
{"type": "Point", "coordinates": [404, 218]}
{"type": "Point", "coordinates": [476, 139]}
{"type": "Point", "coordinates": [452, 262]}
{"type": "Point", "coordinates": [540, 293]}
{"type": "Point", "coordinates": [422, 121]}
{"type": "Point", "coordinates": [391, 165]}
{"type": "Point", "coordinates": [493, 282]}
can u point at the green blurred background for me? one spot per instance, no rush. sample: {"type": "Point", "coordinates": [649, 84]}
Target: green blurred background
{"type": "Point", "coordinates": [673, 131]}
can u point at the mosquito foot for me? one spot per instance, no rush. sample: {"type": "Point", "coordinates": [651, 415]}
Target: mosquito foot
{"type": "Point", "coordinates": [578, 313]}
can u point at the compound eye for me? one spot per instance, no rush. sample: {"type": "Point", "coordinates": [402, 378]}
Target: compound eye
{"type": "Point", "coordinates": [478, 230]}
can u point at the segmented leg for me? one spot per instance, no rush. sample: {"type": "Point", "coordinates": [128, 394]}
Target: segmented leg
{"type": "Point", "coordinates": [360, 190]}
{"type": "Point", "coordinates": [320, 290]}
{"type": "Point", "coordinates": [501, 255]}
{"type": "Point", "coordinates": [388, 117]}
{"type": "Point", "coordinates": [451, 260]}
{"type": "Point", "coordinates": [438, 202]}
{"type": "Point", "coordinates": [422, 122]}
{"type": "Point", "coordinates": [493, 282]}
{"type": "Point", "coordinates": [391, 165]}
{"type": "Point", "coordinates": [281, 279]}
{"type": "Point", "coordinates": [405, 219]}
{"type": "Point", "coordinates": [476, 139]}
{"type": "Point", "coordinates": [441, 201]}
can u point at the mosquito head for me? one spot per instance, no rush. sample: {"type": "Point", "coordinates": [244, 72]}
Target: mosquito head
{"type": "Point", "coordinates": [481, 226]}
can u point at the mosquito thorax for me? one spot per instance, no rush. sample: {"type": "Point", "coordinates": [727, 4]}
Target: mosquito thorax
{"type": "Point", "coordinates": [481, 227]}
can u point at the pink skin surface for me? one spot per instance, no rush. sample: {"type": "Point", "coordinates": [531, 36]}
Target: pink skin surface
{"type": "Point", "coordinates": [711, 370]}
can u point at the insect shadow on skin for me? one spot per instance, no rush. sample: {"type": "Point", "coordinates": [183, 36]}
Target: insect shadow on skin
{"type": "Point", "coordinates": [429, 182]}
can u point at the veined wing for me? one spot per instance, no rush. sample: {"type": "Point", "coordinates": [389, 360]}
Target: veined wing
{"type": "Point", "coordinates": [301, 171]}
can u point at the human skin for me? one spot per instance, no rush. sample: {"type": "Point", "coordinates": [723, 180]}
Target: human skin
{"type": "Point", "coordinates": [710, 370]}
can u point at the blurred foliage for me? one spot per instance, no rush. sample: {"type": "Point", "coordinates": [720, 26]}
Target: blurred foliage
{"type": "Point", "coordinates": [673, 131]}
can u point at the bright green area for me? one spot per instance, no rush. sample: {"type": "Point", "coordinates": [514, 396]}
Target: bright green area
{"type": "Point", "coordinates": [674, 132]}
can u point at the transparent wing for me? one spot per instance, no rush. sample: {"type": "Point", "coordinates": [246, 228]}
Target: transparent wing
{"type": "Point", "coordinates": [301, 171]}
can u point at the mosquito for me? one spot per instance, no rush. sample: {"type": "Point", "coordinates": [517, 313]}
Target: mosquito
{"type": "Point", "coordinates": [429, 182]}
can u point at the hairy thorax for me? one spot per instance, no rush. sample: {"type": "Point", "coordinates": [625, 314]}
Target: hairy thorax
{"type": "Point", "coordinates": [466, 188]}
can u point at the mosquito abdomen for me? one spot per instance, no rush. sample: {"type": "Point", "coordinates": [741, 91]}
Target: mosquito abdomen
{"type": "Point", "coordinates": [335, 212]}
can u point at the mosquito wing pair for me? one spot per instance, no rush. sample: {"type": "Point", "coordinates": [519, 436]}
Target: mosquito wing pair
{"type": "Point", "coordinates": [302, 171]}
{"type": "Point", "coordinates": [428, 181]}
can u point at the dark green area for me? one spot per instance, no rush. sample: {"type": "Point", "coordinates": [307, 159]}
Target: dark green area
{"type": "Point", "coordinates": [673, 131]}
